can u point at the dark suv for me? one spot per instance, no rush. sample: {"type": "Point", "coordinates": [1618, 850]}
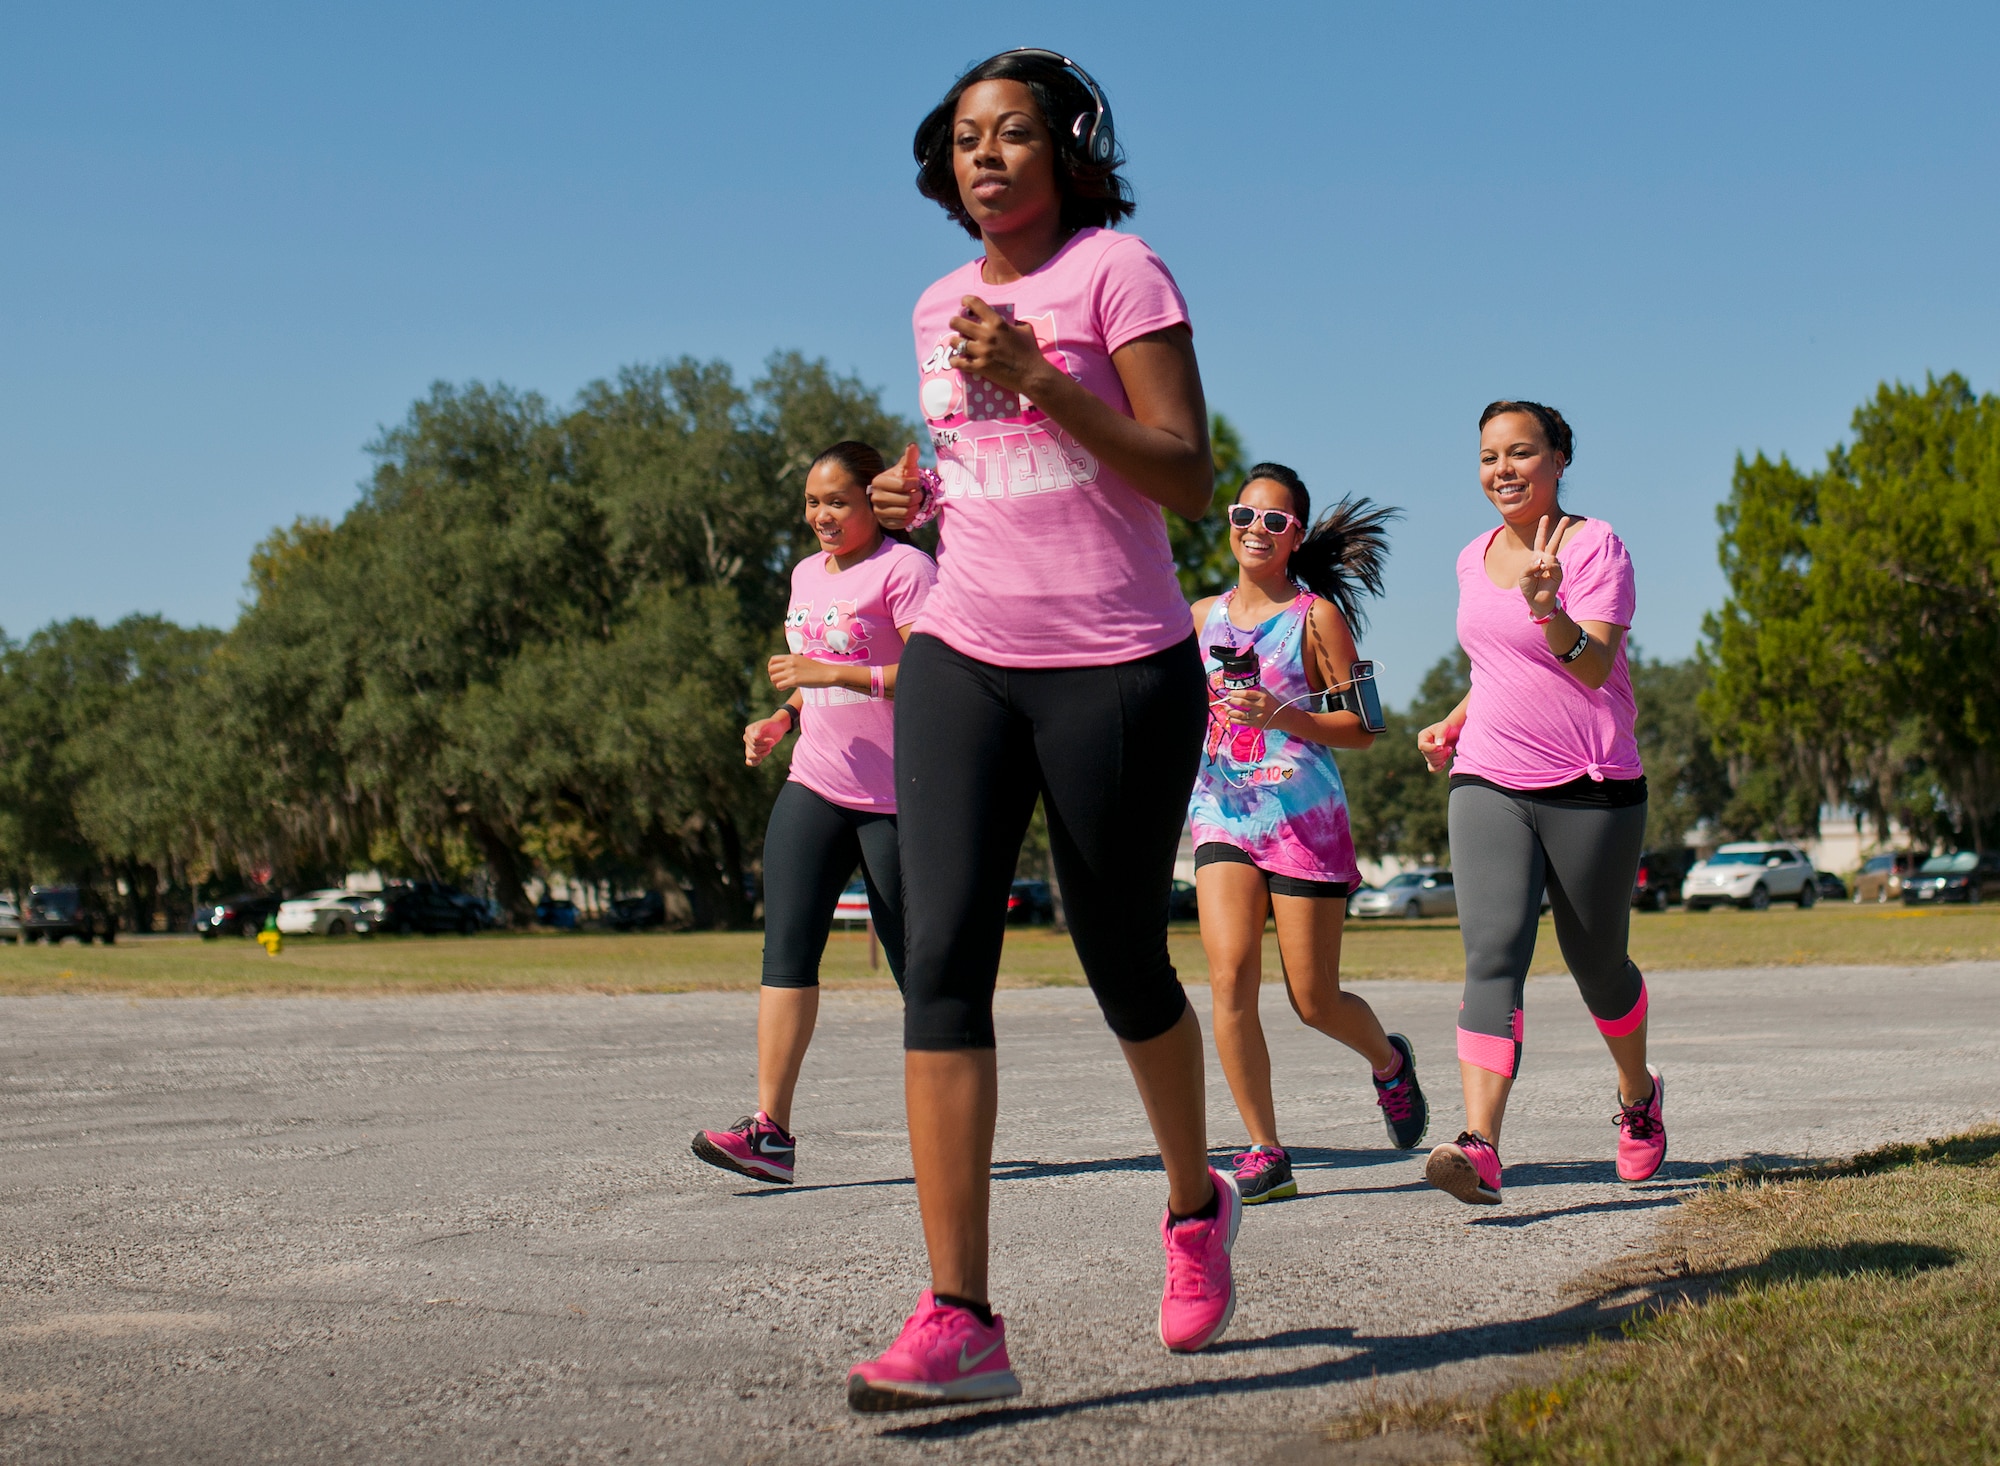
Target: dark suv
{"type": "Point", "coordinates": [424, 906]}
{"type": "Point", "coordinates": [1965, 876]}
{"type": "Point", "coordinates": [55, 912]}
{"type": "Point", "coordinates": [241, 915]}
{"type": "Point", "coordinates": [1658, 883]}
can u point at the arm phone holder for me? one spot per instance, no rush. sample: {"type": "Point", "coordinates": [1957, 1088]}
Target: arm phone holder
{"type": "Point", "coordinates": [1359, 697]}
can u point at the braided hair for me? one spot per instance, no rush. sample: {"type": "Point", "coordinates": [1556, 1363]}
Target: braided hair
{"type": "Point", "coordinates": [1342, 556]}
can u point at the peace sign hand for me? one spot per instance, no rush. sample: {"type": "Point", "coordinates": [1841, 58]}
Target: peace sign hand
{"type": "Point", "coordinates": [1544, 575]}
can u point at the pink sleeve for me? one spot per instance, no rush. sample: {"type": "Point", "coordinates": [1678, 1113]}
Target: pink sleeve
{"type": "Point", "coordinates": [1134, 294]}
{"type": "Point", "coordinates": [1599, 585]}
{"type": "Point", "coordinates": [908, 585]}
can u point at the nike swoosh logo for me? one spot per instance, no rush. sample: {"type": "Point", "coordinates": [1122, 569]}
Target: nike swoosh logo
{"type": "Point", "coordinates": [766, 1145]}
{"type": "Point", "coordinates": [966, 1362]}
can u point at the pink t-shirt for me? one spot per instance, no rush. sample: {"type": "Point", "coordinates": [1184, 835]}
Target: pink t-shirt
{"type": "Point", "coordinates": [1048, 558]}
{"type": "Point", "coordinates": [846, 751]}
{"type": "Point", "coordinates": [1530, 724]}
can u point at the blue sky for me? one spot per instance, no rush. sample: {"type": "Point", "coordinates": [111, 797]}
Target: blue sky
{"type": "Point", "coordinates": [239, 240]}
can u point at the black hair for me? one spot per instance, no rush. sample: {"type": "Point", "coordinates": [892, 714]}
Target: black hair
{"type": "Point", "coordinates": [863, 462]}
{"type": "Point", "coordinates": [1555, 431]}
{"type": "Point", "coordinates": [1093, 194]}
{"type": "Point", "coordinates": [1341, 558]}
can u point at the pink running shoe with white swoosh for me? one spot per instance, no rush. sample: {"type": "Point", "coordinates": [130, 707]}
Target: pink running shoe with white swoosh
{"type": "Point", "coordinates": [944, 1356]}
{"type": "Point", "coordinates": [754, 1146]}
{"type": "Point", "coordinates": [1642, 1134]}
{"type": "Point", "coordinates": [1200, 1298]}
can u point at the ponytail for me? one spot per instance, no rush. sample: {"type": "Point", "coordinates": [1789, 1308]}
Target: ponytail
{"type": "Point", "coordinates": [1341, 559]}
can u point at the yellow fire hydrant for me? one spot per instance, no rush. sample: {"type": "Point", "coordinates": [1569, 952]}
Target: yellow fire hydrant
{"type": "Point", "coordinates": [270, 938]}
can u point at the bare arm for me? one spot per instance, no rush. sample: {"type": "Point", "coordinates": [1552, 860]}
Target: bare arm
{"type": "Point", "coordinates": [789, 670]}
{"type": "Point", "coordinates": [1162, 450]}
{"type": "Point", "coordinates": [1334, 656]}
{"type": "Point", "coordinates": [1593, 668]}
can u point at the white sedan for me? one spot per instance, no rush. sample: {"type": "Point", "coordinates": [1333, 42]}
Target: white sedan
{"type": "Point", "coordinates": [324, 914]}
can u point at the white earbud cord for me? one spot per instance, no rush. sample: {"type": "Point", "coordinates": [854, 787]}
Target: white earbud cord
{"type": "Point", "coordinates": [1217, 757]}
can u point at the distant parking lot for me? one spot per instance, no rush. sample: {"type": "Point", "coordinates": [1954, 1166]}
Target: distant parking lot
{"type": "Point", "coordinates": [1036, 956]}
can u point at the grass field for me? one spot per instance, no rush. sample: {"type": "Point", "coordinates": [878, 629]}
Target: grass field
{"type": "Point", "coordinates": [684, 962]}
{"type": "Point", "coordinates": [1850, 1313]}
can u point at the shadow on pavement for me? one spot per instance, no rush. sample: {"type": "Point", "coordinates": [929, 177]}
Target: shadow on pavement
{"type": "Point", "coordinates": [1365, 1356]}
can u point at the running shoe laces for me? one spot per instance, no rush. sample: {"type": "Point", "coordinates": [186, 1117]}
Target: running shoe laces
{"type": "Point", "coordinates": [1637, 1120]}
{"type": "Point", "coordinates": [1254, 1162]}
{"type": "Point", "coordinates": [1394, 1097]}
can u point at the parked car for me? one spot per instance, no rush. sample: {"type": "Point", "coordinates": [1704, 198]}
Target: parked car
{"type": "Point", "coordinates": [1882, 876]}
{"type": "Point", "coordinates": [1181, 903]}
{"type": "Point", "coordinates": [55, 912]}
{"type": "Point", "coordinates": [562, 915]}
{"type": "Point", "coordinates": [853, 902]}
{"type": "Point", "coordinates": [1751, 874]}
{"type": "Point", "coordinates": [422, 906]}
{"type": "Point", "coordinates": [241, 915]}
{"type": "Point", "coordinates": [1414, 893]}
{"type": "Point", "coordinates": [1030, 902]}
{"type": "Point", "coordinates": [1658, 883]}
{"type": "Point", "coordinates": [1964, 876]}
{"type": "Point", "coordinates": [10, 920]}
{"type": "Point", "coordinates": [330, 913]}
{"type": "Point", "coordinates": [1831, 886]}
{"type": "Point", "coordinates": [637, 913]}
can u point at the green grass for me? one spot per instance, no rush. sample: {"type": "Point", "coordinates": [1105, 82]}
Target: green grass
{"type": "Point", "coordinates": [684, 962]}
{"type": "Point", "coordinates": [1843, 1314]}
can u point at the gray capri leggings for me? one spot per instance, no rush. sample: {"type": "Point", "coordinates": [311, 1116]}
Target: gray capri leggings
{"type": "Point", "coordinates": [1505, 845]}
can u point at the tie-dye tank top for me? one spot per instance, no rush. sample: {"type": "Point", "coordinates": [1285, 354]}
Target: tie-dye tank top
{"type": "Point", "coordinates": [1276, 798]}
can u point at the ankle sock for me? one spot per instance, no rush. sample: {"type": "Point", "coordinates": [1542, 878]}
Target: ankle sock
{"type": "Point", "coordinates": [981, 1311]}
{"type": "Point", "coordinates": [1383, 1076]}
{"type": "Point", "coordinates": [1207, 1214]}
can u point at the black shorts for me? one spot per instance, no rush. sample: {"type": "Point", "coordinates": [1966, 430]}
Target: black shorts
{"type": "Point", "coordinates": [1112, 752]}
{"type": "Point", "coordinates": [1214, 852]}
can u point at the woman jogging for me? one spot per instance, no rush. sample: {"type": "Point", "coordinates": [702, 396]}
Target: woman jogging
{"type": "Point", "coordinates": [1546, 789]}
{"type": "Point", "coordinates": [853, 603]}
{"type": "Point", "coordinates": [1269, 814]}
{"type": "Point", "coordinates": [1055, 659]}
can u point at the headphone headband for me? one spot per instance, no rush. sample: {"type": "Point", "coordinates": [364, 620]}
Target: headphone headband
{"type": "Point", "coordinates": [1098, 142]}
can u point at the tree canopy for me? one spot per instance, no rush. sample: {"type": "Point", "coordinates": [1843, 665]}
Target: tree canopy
{"type": "Point", "coordinates": [1854, 660]}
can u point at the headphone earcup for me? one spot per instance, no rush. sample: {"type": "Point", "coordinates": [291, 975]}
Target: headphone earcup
{"type": "Point", "coordinates": [1094, 138]}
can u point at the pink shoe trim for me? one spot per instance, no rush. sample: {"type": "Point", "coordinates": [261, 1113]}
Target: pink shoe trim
{"type": "Point", "coordinates": [1487, 1051]}
{"type": "Point", "coordinates": [1619, 1027]}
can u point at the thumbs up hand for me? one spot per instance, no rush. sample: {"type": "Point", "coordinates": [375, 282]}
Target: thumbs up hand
{"type": "Point", "coordinates": [895, 492]}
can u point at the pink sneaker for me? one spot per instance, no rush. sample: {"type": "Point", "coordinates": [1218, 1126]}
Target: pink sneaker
{"type": "Point", "coordinates": [754, 1146]}
{"type": "Point", "coordinates": [1642, 1134]}
{"type": "Point", "coordinates": [944, 1356]}
{"type": "Point", "coordinates": [1468, 1168]}
{"type": "Point", "coordinates": [1201, 1294]}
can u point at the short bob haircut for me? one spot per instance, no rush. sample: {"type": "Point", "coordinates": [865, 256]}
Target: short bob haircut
{"type": "Point", "coordinates": [1092, 195]}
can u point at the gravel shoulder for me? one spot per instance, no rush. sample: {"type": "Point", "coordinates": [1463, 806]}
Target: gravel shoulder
{"type": "Point", "coordinates": [448, 1228]}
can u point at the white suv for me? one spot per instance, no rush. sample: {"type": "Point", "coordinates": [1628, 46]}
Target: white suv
{"type": "Point", "coordinates": [1751, 875]}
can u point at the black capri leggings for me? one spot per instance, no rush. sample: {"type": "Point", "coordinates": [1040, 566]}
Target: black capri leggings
{"type": "Point", "coordinates": [1113, 752]}
{"type": "Point", "coordinates": [811, 848]}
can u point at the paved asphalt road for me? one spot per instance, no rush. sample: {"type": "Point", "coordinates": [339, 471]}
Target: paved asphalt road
{"type": "Point", "coordinates": [469, 1229]}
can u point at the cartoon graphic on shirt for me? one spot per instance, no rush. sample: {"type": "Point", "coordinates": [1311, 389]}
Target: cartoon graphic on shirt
{"type": "Point", "coordinates": [843, 634]}
{"type": "Point", "coordinates": [1037, 457]}
{"type": "Point", "coordinates": [795, 629]}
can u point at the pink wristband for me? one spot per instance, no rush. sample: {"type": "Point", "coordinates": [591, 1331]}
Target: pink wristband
{"type": "Point", "coordinates": [875, 682]}
{"type": "Point", "coordinates": [1545, 620]}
